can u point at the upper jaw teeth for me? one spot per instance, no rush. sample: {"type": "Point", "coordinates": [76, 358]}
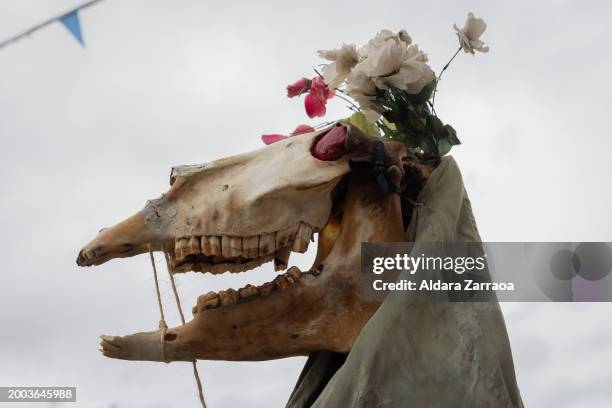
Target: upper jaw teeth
{"type": "Point", "coordinates": [240, 253]}
{"type": "Point", "coordinates": [281, 258]}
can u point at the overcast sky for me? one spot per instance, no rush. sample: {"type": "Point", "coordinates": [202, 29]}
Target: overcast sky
{"type": "Point", "coordinates": [88, 135]}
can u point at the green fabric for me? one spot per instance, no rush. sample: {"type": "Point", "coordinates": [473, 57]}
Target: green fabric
{"type": "Point", "coordinates": [416, 354]}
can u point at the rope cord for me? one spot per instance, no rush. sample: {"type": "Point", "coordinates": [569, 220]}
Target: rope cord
{"type": "Point", "coordinates": [162, 323]}
{"type": "Point", "coordinates": [163, 327]}
{"type": "Point", "coordinates": [196, 374]}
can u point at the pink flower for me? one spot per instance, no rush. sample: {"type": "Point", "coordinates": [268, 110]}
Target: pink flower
{"type": "Point", "coordinates": [273, 138]}
{"type": "Point", "coordinates": [317, 98]}
{"type": "Point", "coordinates": [301, 129]}
{"type": "Point", "coordinates": [298, 87]}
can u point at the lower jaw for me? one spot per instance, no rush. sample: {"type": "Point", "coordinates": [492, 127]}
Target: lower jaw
{"type": "Point", "coordinates": [284, 322]}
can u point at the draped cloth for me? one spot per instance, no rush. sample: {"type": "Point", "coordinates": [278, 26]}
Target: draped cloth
{"type": "Point", "coordinates": [421, 354]}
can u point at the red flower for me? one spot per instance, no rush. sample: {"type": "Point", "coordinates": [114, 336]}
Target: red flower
{"type": "Point", "coordinates": [301, 129]}
{"type": "Point", "coordinates": [273, 138]}
{"type": "Point", "coordinates": [317, 98]}
{"type": "Point", "coordinates": [298, 88]}
{"type": "Point", "coordinates": [331, 145]}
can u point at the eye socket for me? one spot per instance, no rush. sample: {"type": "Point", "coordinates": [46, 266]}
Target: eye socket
{"type": "Point", "coordinates": [331, 145]}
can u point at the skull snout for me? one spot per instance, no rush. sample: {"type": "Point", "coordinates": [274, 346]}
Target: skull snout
{"type": "Point", "coordinates": [127, 238]}
{"type": "Point", "coordinates": [95, 255]}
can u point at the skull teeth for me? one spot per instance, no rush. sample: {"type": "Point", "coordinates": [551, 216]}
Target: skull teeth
{"type": "Point", "coordinates": [281, 282]}
{"type": "Point", "coordinates": [231, 247]}
{"type": "Point", "coordinates": [281, 258]}
{"type": "Point", "coordinates": [193, 246]}
{"type": "Point", "coordinates": [295, 273]}
{"type": "Point", "coordinates": [267, 244]}
{"type": "Point", "coordinates": [248, 291]}
{"type": "Point", "coordinates": [229, 297]}
{"type": "Point", "coordinates": [240, 253]}
{"type": "Point", "coordinates": [210, 245]}
{"type": "Point", "coordinates": [302, 238]}
{"type": "Point", "coordinates": [221, 265]}
{"type": "Point", "coordinates": [207, 301]}
{"type": "Point", "coordinates": [179, 248]}
{"type": "Point", "coordinates": [250, 246]}
{"type": "Point", "coordinates": [285, 236]}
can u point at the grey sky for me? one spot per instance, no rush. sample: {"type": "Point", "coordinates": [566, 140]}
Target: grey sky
{"type": "Point", "coordinates": [86, 136]}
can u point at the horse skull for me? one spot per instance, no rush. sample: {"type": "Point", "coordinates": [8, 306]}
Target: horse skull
{"type": "Point", "coordinates": [240, 212]}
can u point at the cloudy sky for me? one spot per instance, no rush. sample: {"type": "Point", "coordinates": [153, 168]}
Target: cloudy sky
{"type": "Point", "coordinates": [87, 135]}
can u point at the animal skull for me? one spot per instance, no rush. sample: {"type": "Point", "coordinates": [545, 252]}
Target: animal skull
{"type": "Point", "coordinates": [238, 213]}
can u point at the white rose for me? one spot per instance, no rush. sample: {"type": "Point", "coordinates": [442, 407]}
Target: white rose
{"type": "Point", "coordinates": [416, 54]}
{"type": "Point", "coordinates": [469, 35]}
{"type": "Point", "coordinates": [411, 76]}
{"type": "Point", "coordinates": [385, 53]}
{"type": "Point", "coordinates": [344, 59]}
{"type": "Point", "coordinates": [362, 89]}
{"type": "Point", "coordinates": [381, 37]}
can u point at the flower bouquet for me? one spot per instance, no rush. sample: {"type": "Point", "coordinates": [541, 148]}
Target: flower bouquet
{"type": "Point", "coordinates": [391, 88]}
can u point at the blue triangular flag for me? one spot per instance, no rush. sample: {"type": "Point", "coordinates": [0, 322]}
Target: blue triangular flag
{"type": "Point", "coordinates": [71, 22]}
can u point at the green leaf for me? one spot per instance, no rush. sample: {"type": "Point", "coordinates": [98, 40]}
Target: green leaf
{"type": "Point", "coordinates": [452, 135]}
{"type": "Point", "coordinates": [444, 147]}
{"type": "Point", "coordinates": [409, 119]}
{"type": "Point", "coordinates": [436, 126]}
{"type": "Point", "coordinates": [359, 120]}
{"type": "Point", "coordinates": [448, 140]}
{"type": "Point", "coordinates": [388, 124]}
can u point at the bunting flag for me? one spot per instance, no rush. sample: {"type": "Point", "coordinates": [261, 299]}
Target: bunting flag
{"type": "Point", "coordinates": [69, 19]}
{"type": "Point", "coordinates": [71, 22]}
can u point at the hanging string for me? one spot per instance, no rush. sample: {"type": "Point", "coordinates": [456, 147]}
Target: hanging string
{"type": "Point", "coordinates": [196, 374]}
{"type": "Point", "coordinates": [163, 327]}
{"type": "Point", "coordinates": [162, 323]}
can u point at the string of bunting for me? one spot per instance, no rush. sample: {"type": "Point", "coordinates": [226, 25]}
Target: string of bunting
{"type": "Point", "coordinates": [69, 19]}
